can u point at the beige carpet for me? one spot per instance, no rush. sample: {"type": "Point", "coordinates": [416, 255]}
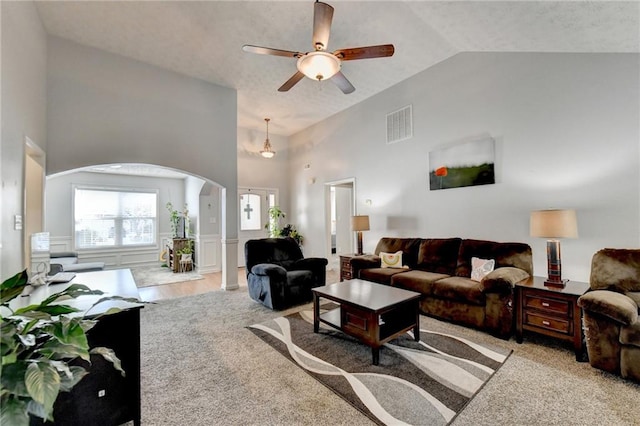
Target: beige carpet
{"type": "Point", "coordinates": [201, 366]}
{"type": "Point", "coordinates": [146, 276]}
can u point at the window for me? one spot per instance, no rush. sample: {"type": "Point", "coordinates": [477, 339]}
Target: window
{"type": "Point", "coordinates": [250, 212]}
{"type": "Point", "coordinates": [114, 217]}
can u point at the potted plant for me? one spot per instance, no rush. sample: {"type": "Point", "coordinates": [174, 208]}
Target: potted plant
{"type": "Point", "coordinates": [38, 345]}
{"type": "Point", "coordinates": [179, 221]}
{"type": "Point", "coordinates": [273, 226]}
{"type": "Point", "coordinates": [186, 251]}
{"type": "Point", "coordinates": [290, 230]}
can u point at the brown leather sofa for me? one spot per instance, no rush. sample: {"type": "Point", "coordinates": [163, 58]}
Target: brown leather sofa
{"type": "Point", "coordinates": [440, 269]}
{"type": "Point", "coordinates": [611, 312]}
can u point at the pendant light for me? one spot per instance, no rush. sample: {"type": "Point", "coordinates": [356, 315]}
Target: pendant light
{"type": "Point", "coordinates": [267, 152]}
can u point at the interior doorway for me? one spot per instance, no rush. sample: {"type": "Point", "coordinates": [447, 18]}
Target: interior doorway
{"type": "Point", "coordinates": [34, 178]}
{"type": "Point", "coordinates": [339, 207]}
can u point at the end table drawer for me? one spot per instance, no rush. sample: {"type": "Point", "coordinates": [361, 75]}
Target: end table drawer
{"type": "Point", "coordinates": [547, 304]}
{"type": "Point", "coordinates": [555, 324]}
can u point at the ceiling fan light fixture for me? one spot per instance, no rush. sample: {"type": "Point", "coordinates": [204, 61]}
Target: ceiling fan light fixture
{"type": "Point", "coordinates": [267, 151]}
{"type": "Point", "coordinates": [318, 65]}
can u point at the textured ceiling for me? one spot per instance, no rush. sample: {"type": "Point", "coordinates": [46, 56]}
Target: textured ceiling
{"type": "Point", "coordinates": [204, 40]}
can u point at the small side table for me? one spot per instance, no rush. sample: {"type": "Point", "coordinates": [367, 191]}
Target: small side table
{"type": "Point", "coordinates": [552, 311]}
{"type": "Point", "coordinates": [345, 267]}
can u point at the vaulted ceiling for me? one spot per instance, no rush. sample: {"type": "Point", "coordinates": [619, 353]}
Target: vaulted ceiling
{"type": "Point", "coordinates": [204, 39]}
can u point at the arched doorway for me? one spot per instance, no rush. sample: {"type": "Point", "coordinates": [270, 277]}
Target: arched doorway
{"type": "Point", "coordinates": [203, 198]}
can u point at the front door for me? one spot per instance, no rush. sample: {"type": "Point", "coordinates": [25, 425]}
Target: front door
{"type": "Point", "coordinates": [253, 210]}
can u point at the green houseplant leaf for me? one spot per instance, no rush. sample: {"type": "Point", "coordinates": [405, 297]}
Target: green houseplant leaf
{"type": "Point", "coordinates": [38, 342]}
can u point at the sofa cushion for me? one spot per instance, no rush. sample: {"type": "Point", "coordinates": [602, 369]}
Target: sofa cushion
{"type": "Point", "coordinates": [408, 246]}
{"type": "Point", "coordinates": [380, 275]}
{"type": "Point", "coordinates": [459, 289]}
{"type": "Point", "coordinates": [630, 334]}
{"type": "Point", "coordinates": [616, 269]}
{"type": "Point", "coordinates": [65, 260]}
{"type": "Point", "coordinates": [517, 255]}
{"type": "Point", "coordinates": [438, 255]}
{"type": "Point", "coordinates": [420, 281]}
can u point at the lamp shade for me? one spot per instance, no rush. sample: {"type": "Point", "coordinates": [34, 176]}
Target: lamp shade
{"type": "Point", "coordinates": [360, 223]}
{"type": "Point", "coordinates": [554, 224]}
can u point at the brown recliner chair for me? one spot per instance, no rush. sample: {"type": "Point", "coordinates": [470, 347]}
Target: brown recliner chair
{"type": "Point", "coordinates": [610, 312]}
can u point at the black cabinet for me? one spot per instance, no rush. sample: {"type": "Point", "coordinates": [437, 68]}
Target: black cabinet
{"type": "Point", "coordinates": [103, 397]}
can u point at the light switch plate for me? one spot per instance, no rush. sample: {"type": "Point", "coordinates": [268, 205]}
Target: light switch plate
{"type": "Point", "coordinates": [17, 222]}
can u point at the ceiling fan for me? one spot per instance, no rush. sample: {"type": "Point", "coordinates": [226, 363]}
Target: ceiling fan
{"type": "Point", "coordinates": [320, 64]}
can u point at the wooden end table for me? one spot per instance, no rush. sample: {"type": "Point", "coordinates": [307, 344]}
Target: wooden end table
{"type": "Point", "coordinates": [346, 273]}
{"type": "Point", "coordinates": [551, 311]}
{"type": "Point", "coordinates": [372, 313]}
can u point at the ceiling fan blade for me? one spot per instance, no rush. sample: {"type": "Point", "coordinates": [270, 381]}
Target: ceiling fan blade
{"type": "Point", "coordinates": [269, 51]}
{"type": "Point", "coordinates": [291, 82]}
{"type": "Point", "coordinates": [322, 16]}
{"type": "Point", "coordinates": [380, 51]}
{"type": "Point", "coordinates": [341, 81]}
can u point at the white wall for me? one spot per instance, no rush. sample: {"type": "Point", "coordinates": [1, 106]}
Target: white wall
{"type": "Point", "coordinates": [567, 136]}
{"type": "Point", "coordinates": [105, 108]}
{"type": "Point", "coordinates": [255, 171]}
{"type": "Point", "coordinates": [23, 111]}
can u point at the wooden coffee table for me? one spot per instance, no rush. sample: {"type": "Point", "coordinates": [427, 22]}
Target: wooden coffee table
{"type": "Point", "coordinates": [372, 313]}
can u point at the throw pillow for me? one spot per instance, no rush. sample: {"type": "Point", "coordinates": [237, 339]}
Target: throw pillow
{"type": "Point", "coordinates": [481, 268]}
{"type": "Point", "coordinates": [391, 260]}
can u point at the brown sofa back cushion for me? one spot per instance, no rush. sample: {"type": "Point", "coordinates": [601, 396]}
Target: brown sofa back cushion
{"type": "Point", "coordinates": [439, 255]}
{"type": "Point", "coordinates": [517, 255]}
{"type": "Point", "coordinates": [616, 269]}
{"type": "Point", "coordinates": [408, 246]}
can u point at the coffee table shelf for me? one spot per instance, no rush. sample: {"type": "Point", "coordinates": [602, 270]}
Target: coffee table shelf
{"type": "Point", "coordinates": [331, 318]}
{"type": "Point", "coordinates": [372, 313]}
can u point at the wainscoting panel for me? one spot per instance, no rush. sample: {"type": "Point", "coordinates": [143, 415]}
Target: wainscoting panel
{"type": "Point", "coordinates": [58, 244]}
{"type": "Point", "coordinates": [208, 253]}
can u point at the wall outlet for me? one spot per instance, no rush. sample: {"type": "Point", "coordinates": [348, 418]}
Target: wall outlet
{"type": "Point", "coordinates": [17, 222]}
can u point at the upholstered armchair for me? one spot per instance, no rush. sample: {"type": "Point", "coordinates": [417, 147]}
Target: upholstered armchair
{"type": "Point", "coordinates": [610, 312]}
{"type": "Point", "coordinates": [278, 275]}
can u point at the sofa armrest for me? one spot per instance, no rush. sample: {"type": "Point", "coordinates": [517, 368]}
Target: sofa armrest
{"type": "Point", "coordinates": [310, 263]}
{"type": "Point", "coordinates": [502, 280]}
{"type": "Point", "coordinates": [363, 262]}
{"type": "Point", "coordinates": [613, 305]}
{"type": "Point", "coordinates": [270, 270]}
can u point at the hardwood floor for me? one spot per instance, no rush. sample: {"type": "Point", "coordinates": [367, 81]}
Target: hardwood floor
{"type": "Point", "coordinates": [210, 282]}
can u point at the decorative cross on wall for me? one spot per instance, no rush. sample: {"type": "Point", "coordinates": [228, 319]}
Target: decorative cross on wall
{"type": "Point", "coordinates": [248, 209]}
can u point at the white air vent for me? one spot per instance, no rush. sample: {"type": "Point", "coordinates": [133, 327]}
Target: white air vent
{"type": "Point", "coordinates": [400, 125]}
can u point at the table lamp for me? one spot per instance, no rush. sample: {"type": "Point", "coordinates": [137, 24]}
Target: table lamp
{"type": "Point", "coordinates": [554, 224]}
{"type": "Point", "coordinates": [359, 224]}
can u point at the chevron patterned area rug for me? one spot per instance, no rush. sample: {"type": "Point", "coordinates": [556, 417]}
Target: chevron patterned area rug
{"type": "Point", "coordinates": [420, 383]}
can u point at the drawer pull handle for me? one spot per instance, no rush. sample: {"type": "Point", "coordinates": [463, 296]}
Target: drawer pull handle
{"type": "Point", "coordinates": [545, 304]}
{"type": "Point", "coordinates": [546, 323]}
